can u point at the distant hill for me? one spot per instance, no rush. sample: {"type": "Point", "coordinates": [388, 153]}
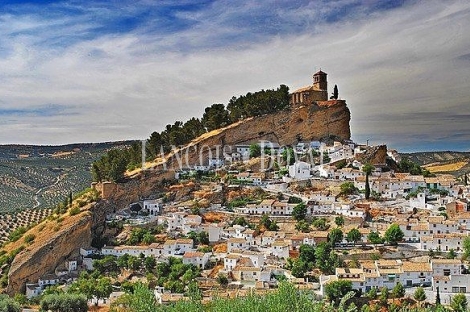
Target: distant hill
{"type": "Point", "coordinates": [41, 176]}
{"type": "Point", "coordinates": [455, 163]}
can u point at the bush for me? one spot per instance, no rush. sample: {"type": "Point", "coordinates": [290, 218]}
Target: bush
{"type": "Point", "coordinates": [16, 234]}
{"type": "Point", "coordinates": [74, 211]}
{"type": "Point", "coordinates": [28, 239]}
{"type": "Point", "coordinates": [64, 303]}
{"type": "Point", "coordinates": [8, 305]}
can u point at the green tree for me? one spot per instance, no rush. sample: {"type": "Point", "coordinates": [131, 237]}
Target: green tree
{"type": "Point", "coordinates": [320, 224]}
{"type": "Point", "coordinates": [240, 221]}
{"type": "Point", "coordinates": [103, 288]}
{"type": "Point", "coordinates": [64, 303]}
{"type": "Point", "coordinates": [294, 200]}
{"type": "Point", "coordinates": [194, 293]}
{"type": "Point", "coordinates": [336, 290]}
{"type": "Point", "coordinates": [367, 169]}
{"type": "Point", "coordinates": [299, 212]}
{"type": "Point", "coordinates": [150, 263]}
{"type": "Point", "coordinates": [268, 224]}
{"type": "Point", "coordinates": [148, 238]}
{"type": "Point", "coordinates": [70, 198]}
{"type": "Point", "coordinates": [398, 291]}
{"type": "Point", "coordinates": [142, 300]}
{"type": "Point", "coordinates": [419, 294]}
{"type": "Point", "coordinates": [465, 179]}
{"type": "Point", "coordinates": [299, 268]}
{"type": "Point", "coordinates": [375, 238]}
{"type": "Point", "coordinates": [288, 155]}
{"type": "Point", "coordinates": [302, 226]}
{"type": "Point", "coordinates": [134, 263]}
{"type": "Point", "coordinates": [335, 236]}
{"type": "Point", "coordinates": [372, 293]}
{"type": "Point", "coordinates": [8, 305]}
{"type": "Point", "coordinates": [96, 172]}
{"type": "Point", "coordinates": [367, 188]}
{"type": "Point", "coordinates": [203, 237]}
{"type": "Point", "coordinates": [255, 150]}
{"type": "Point", "coordinates": [353, 236]}
{"type": "Point", "coordinates": [384, 294]}
{"type": "Point", "coordinates": [334, 96]}
{"type": "Point", "coordinates": [215, 117]}
{"type": "Point", "coordinates": [459, 303]}
{"type": "Point", "coordinates": [154, 145]}
{"type": "Point", "coordinates": [394, 234]}
{"type": "Point", "coordinates": [222, 280]}
{"type": "Point", "coordinates": [466, 247]}
{"type": "Point", "coordinates": [307, 253]}
{"type": "Point", "coordinates": [348, 188]}
{"type": "Point", "coordinates": [451, 254]}
{"type": "Point", "coordinates": [339, 220]}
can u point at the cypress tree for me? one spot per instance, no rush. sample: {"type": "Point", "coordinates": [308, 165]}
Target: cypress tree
{"type": "Point", "coordinates": [367, 186]}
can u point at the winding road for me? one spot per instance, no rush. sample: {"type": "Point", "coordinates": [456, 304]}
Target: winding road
{"type": "Point", "coordinates": [36, 195]}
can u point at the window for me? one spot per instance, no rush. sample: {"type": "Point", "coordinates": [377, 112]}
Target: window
{"type": "Point", "coordinates": [457, 289]}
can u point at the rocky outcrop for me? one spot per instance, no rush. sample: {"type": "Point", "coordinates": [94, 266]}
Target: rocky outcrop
{"type": "Point", "coordinates": [374, 155]}
{"type": "Point", "coordinates": [48, 252]}
{"type": "Point", "coordinates": [304, 123]}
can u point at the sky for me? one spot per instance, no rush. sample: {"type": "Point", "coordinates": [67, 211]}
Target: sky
{"type": "Point", "coordinates": [94, 71]}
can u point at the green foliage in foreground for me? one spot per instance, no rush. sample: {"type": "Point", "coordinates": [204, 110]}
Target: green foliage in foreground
{"type": "Point", "coordinates": [64, 303]}
{"type": "Point", "coordinates": [8, 305]}
{"type": "Point", "coordinates": [286, 298]}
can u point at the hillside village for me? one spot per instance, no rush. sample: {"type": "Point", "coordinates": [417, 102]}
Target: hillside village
{"type": "Point", "coordinates": [327, 215]}
{"type": "Point", "coordinates": [241, 241]}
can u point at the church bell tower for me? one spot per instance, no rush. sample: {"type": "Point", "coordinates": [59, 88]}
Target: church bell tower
{"type": "Point", "coordinates": [319, 81]}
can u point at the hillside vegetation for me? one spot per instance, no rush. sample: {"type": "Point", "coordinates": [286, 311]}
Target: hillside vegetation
{"type": "Point", "coordinates": [114, 164]}
{"type": "Point", "coordinates": [455, 163]}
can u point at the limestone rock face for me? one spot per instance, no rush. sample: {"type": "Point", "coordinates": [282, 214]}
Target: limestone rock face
{"type": "Point", "coordinates": [305, 123]}
{"type": "Point", "coordinates": [375, 155]}
{"type": "Point", "coordinates": [42, 257]}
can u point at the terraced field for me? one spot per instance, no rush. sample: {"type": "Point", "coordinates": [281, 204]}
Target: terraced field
{"type": "Point", "coordinates": [42, 176]}
{"type": "Point", "coordinates": [25, 218]}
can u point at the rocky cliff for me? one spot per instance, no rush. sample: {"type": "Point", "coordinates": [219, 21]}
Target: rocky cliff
{"type": "Point", "coordinates": [303, 123]}
{"type": "Point", "coordinates": [51, 248]}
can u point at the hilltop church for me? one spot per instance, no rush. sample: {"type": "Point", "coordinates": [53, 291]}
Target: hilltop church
{"type": "Point", "coordinates": [314, 94]}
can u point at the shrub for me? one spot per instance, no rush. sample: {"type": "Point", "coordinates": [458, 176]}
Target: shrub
{"type": "Point", "coordinates": [74, 211]}
{"type": "Point", "coordinates": [28, 239]}
{"type": "Point", "coordinates": [16, 234]}
{"type": "Point", "coordinates": [64, 303]}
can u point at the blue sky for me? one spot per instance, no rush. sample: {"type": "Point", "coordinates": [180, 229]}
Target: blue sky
{"type": "Point", "coordinates": [89, 71]}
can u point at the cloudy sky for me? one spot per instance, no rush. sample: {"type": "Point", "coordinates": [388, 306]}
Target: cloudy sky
{"type": "Point", "coordinates": [90, 71]}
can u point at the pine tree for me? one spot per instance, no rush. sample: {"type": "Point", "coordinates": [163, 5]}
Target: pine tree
{"type": "Point", "coordinates": [438, 297]}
